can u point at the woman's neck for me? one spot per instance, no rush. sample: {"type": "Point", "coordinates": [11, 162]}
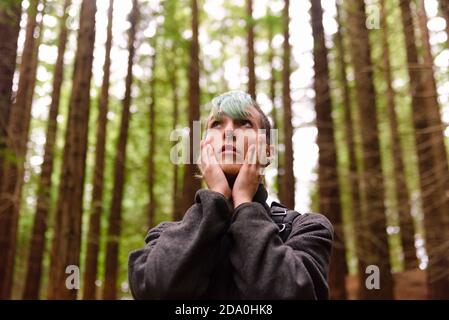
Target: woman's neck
{"type": "Point", "coordinates": [231, 180]}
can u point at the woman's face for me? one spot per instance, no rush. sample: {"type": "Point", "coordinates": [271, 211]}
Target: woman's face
{"type": "Point", "coordinates": [230, 139]}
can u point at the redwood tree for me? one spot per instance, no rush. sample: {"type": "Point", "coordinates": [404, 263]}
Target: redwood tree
{"type": "Point", "coordinates": [355, 205]}
{"type": "Point", "coordinates": [112, 244]}
{"type": "Point", "coordinates": [375, 219]}
{"type": "Point", "coordinates": [93, 237]}
{"type": "Point", "coordinates": [190, 183]}
{"type": "Point", "coordinates": [401, 189]}
{"type": "Point", "coordinates": [432, 196]}
{"type": "Point", "coordinates": [67, 230]}
{"type": "Point", "coordinates": [13, 167]}
{"type": "Point", "coordinates": [250, 52]}
{"type": "Point", "coordinates": [9, 32]}
{"type": "Point", "coordinates": [328, 185]}
{"type": "Point", "coordinates": [152, 139]}
{"type": "Point", "coordinates": [37, 245]}
{"type": "Point", "coordinates": [288, 178]}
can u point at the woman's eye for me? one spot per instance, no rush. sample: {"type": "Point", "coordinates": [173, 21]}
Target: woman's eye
{"type": "Point", "coordinates": [246, 123]}
{"type": "Point", "coordinates": [214, 124]}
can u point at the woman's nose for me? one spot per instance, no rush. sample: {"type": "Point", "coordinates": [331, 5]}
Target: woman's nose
{"type": "Point", "coordinates": [228, 133]}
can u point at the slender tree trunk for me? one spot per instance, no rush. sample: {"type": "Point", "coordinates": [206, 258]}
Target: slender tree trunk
{"type": "Point", "coordinates": [190, 183]}
{"type": "Point", "coordinates": [274, 113]}
{"type": "Point", "coordinates": [67, 237]}
{"type": "Point", "coordinates": [288, 177]}
{"type": "Point", "coordinates": [328, 186]}
{"type": "Point", "coordinates": [431, 194]}
{"type": "Point", "coordinates": [250, 52]}
{"type": "Point", "coordinates": [152, 139]}
{"type": "Point", "coordinates": [378, 249]}
{"type": "Point", "coordinates": [12, 180]}
{"type": "Point", "coordinates": [37, 245]}
{"type": "Point", "coordinates": [111, 272]}
{"type": "Point", "coordinates": [433, 112]}
{"type": "Point", "coordinates": [402, 192]}
{"type": "Point", "coordinates": [354, 178]}
{"type": "Point", "coordinates": [93, 237]}
{"type": "Point", "coordinates": [173, 79]}
{"type": "Point", "coordinates": [9, 33]}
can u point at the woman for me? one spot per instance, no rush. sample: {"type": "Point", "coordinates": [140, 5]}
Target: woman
{"type": "Point", "coordinates": [227, 246]}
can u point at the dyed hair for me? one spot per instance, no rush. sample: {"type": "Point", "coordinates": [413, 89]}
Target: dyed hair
{"type": "Point", "coordinates": [235, 105]}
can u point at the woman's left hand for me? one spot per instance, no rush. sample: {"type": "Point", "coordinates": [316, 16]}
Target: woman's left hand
{"type": "Point", "coordinates": [249, 177]}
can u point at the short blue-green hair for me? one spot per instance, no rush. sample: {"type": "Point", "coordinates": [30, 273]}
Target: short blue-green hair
{"type": "Point", "coordinates": [235, 104]}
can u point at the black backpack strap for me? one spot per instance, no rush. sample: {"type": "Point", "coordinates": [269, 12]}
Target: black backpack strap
{"type": "Point", "coordinates": [284, 218]}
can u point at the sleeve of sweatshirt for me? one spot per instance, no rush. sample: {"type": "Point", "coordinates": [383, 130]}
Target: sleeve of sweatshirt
{"type": "Point", "coordinates": [179, 256]}
{"type": "Point", "coordinates": [267, 268]}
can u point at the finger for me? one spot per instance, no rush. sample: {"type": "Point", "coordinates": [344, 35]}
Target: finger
{"type": "Point", "coordinates": [211, 154]}
{"type": "Point", "coordinates": [262, 150]}
{"type": "Point", "coordinates": [251, 155]}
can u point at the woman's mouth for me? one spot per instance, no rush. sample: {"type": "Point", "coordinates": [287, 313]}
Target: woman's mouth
{"type": "Point", "coordinates": [228, 148]}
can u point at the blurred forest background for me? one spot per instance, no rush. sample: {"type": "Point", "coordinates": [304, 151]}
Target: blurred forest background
{"type": "Point", "coordinates": [91, 90]}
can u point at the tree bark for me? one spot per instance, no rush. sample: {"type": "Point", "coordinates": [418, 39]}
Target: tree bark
{"type": "Point", "coordinates": [152, 139]}
{"type": "Point", "coordinates": [354, 177]}
{"type": "Point", "coordinates": [17, 137]}
{"type": "Point", "coordinates": [9, 33]}
{"type": "Point", "coordinates": [401, 189]}
{"type": "Point", "coordinates": [93, 237]}
{"type": "Point", "coordinates": [173, 79]}
{"type": "Point", "coordinates": [190, 183]}
{"type": "Point", "coordinates": [111, 272]}
{"type": "Point", "coordinates": [432, 196]}
{"type": "Point", "coordinates": [274, 112]}
{"type": "Point", "coordinates": [375, 219]}
{"type": "Point", "coordinates": [288, 177]}
{"type": "Point", "coordinates": [328, 185]}
{"type": "Point", "coordinates": [37, 245]}
{"type": "Point", "coordinates": [250, 52]}
{"type": "Point", "coordinates": [434, 114]}
{"type": "Point", "coordinates": [67, 235]}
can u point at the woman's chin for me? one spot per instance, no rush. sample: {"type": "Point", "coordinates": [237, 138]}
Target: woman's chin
{"type": "Point", "coordinates": [231, 169]}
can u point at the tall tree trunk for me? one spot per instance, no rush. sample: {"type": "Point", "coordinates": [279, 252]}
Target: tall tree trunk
{"type": "Point", "coordinates": [433, 112]}
{"type": "Point", "coordinates": [431, 194]}
{"type": "Point", "coordinates": [111, 272]}
{"type": "Point", "coordinates": [93, 237]}
{"type": "Point", "coordinates": [402, 192]}
{"type": "Point", "coordinates": [288, 177]}
{"type": "Point", "coordinates": [190, 183]}
{"type": "Point", "coordinates": [354, 178]}
{"type": "Point", "coordinates": [37, 245]}
{"type": "Point", "coordinates": [152, 139]}
{"type": "Point", "coordinates": [173, 79]}
{"type": "Point", "coordinates": [12, 180]}
{"type": "Point", "coordinates": [328, 186]}
{"type": "Point", "coordinates": [375, 218]}
{"type": "Point", "coordinates": [274, 113]}
{"type": "Point", "coordinates": [67, 237]}
{"type": "Point", "coordinates": [250, 52]}
{"type": "Point", "coordinates": [9, 33]}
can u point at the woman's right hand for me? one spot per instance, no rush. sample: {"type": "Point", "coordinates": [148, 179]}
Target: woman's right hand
{"type": "Point", "coordinates": [211, 170]}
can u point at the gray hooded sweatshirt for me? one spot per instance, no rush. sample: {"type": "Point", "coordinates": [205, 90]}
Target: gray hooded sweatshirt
{"type": "Point", "coordinates": [214, 254]}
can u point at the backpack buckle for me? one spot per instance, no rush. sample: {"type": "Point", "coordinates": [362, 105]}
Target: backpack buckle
{"type": "Point", "coordinates": [283, 227]}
